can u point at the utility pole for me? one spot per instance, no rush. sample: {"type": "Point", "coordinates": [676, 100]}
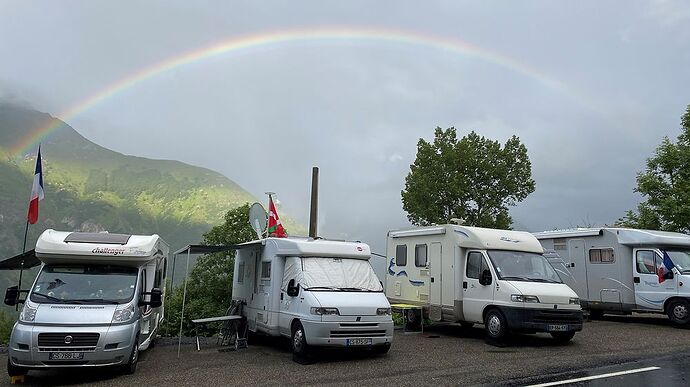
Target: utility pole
{"type": "Point", "coordinates": [313, 214]}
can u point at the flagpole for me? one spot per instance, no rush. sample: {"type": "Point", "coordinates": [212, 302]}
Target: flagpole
{"type": "Point", "coordinates": [21, 264]}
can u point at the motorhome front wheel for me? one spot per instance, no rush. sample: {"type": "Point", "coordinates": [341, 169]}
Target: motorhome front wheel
{"type": "Point", "coordinates": [299, 341]}
{"type": "Point", "coordinates": [679, 312]}
{"type": "Point", "coordinates": [496, 327]}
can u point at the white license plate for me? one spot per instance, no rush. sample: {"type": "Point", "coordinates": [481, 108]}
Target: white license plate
{"type": "Point", "coordinates": [358, 342]}
{"type": "Point", "coordinates": [66, 355]}
{"type": "Point", "coordinates": [557, 328]}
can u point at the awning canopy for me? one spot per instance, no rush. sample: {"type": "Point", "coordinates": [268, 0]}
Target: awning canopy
{"type": "Point", "coordinates": [15, 263]}
{"type": "Point", "coordinates": [204, 249]}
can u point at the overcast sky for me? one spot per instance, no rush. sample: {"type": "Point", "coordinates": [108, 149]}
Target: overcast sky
{"type": "Point", "coordinates": [356, 107]}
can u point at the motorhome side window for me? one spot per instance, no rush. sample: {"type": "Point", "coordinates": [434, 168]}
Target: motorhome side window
{"type": "Point", "coordinates": [475, 265]}
{"type": "Point", "coordinates": [240, 273]}
{"type": "Point", "coordinates": [601, 256]}
{"type": "Point", "coordinates": [420, 255]}
{"type": "Point", "coordinates": [560, 244]}
{"type": "Point", "coordinates": [401, 255]}
{"type": "Point", "coordinates": [645, 262]}
{"type": "Point", "coordinates": [265, 270]}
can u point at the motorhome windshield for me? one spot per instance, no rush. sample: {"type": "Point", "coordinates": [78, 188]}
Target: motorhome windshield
{"type": "Point", "coordinates": [85, 284]}
{"type": "Point", "coordinates": [337, 274]}
{"type": "Point", "coordinates": [522, 266]}
{"type": "Point", "coordinates": [680, 258]}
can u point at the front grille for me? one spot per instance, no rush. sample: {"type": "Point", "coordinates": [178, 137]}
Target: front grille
{"type": "Point", "coordinates": [359, 333]}
{"type": "Point", "coordinates": [66, 349]}
{"type": "Point", "coordinates": [349, 325]}
{"type": "Point", "coordinates": [557, 317]}
{"type": "Point", "coordinates": [58, 340]}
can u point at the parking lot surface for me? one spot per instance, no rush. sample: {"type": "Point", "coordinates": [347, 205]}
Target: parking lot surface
{"type": "Point", "coordinates": [442, 355]}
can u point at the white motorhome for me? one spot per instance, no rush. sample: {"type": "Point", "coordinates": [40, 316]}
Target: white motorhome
{"type": "Point", "coordinates": [617, 270]}
{"type": "Point", "coordinates": [317, 292]}
{"type": "Point", "coordinates": [96, 301]}
{"type": "Point", "coordinates": [474, 275]}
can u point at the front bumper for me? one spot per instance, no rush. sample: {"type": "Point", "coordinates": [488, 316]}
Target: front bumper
{"type": "Point", "coordinates": [541, 320]}
{"type": "Point", "coordinates": [114, 345]}
{"type": "Point", "coordinates": [337, 333]}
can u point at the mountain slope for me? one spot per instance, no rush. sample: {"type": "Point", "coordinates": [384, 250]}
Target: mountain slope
{"type": "Point", "coordinates": [91, 188]}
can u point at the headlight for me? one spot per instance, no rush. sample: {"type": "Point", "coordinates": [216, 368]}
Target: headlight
{"type": "Point", "coordinates": [574, 301]}
{"type": "Point", "coordinates": [384, 311]}
{"type": "Point", "coordinates": [28, 313]}
{"type": "Point", "coordinates": [523, 298]}
{"type": "Point", "coordinates": [124, 313]}
{"type": "Point", "coordinates": [325, 311]}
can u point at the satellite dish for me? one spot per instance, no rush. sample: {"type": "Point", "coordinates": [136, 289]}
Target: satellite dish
{"type": "Point", "coordinates": [258, 219]}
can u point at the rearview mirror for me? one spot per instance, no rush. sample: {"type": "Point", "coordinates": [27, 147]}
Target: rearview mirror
{"type": "Point", "coordinates": [155, 298]}
{"type": "Point", "coordinates": [668, 275]}
{"type": "Point", "coordinates": [485, 278]}
{"type": "Point", "coordinates": [292, 289]}
{"type": "Point", "coordinates": [12, 296]}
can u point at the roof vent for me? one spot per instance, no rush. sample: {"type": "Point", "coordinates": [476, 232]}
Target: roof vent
{"type": "Point", "coordinates": [97, 237]}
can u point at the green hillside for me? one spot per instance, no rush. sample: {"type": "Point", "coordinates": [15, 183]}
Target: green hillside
{"type": "Point", "coordinates": [91, 188]}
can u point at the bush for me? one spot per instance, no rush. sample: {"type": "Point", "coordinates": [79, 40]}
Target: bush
{"type": "Point", "coordinates": [7, 321]}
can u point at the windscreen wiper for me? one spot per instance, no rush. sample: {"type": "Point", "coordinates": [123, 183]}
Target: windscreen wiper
{"type": "Point", "coordinates": [515, 278]}
{"type": "Point", "coordinates": [355, 290]}
{"type": "Point", "coordinates": [47, 297]}
{"type": "Point", "coordinates": [95, 301]}
{"type": "Point", "coordinates": [322, 288]}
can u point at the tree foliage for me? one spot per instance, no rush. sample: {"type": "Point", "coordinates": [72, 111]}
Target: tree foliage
{"type": "Point", "coordinates": [209, 286]}
{"type": "Point", "coordinates": [473, 178]}
{"type": "Point", "coordinates": [665, 185]}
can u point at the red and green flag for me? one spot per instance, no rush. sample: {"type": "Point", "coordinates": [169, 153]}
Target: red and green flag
{"type": "Point", "coordinates": [275, 228]}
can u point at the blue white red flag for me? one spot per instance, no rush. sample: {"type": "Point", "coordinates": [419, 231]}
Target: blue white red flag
{"type": "Point", "coordinates": [666, 266]}
{"type": "Point", "coordinates": [37, 192]}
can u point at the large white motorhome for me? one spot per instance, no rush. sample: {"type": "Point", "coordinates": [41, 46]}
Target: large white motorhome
{"type": "Point", "coordinates": [474, 275]}
{"type": "Point", "coordinates": [96, 301]}
{"type": "Point", "coordinates": [317, 292]}
{"type": "Point", "coordinates": [619, 270]}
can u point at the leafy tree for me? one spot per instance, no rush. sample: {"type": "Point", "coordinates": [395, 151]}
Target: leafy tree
{"type": "Point", "coordinates": [473, 178]}
{"type": "Point", "coordinates": [209, 287]}
{"type": "Point", "coordinates": [665, 185]}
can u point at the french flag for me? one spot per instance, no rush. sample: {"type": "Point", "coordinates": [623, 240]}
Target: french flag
{"type": "Point", "coordinates": [37, 193]}
{"type": "Point", "coordinates": [666, 266]}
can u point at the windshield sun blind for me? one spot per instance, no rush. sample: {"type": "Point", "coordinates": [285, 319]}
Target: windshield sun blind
{"type": "Point", "coordinates": [97, 237]}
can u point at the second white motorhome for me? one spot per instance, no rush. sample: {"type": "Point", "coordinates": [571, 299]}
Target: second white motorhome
{"type": "Point", "coordinates": [619, 270]}
{"type": "Point", "coordinates": [474, 275]}
{"type": "Point", "coordinates": [316, 292]}
{"type": "Point", "coordinates": [97, 301]}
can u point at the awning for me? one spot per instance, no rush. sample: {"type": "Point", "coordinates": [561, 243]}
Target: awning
{"type": "Point", "coordinates": [204, 249]}
{"type": "Point", "coordinates": [15, 263]}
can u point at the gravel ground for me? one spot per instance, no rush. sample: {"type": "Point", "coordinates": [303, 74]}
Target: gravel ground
{"type": "Point", "coordinates": [443, 355]}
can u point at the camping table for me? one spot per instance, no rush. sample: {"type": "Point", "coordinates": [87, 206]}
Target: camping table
{"type": "Point", "coordinates": [230, 319]}
{"type": "Point", "coordinates": [404, 308]}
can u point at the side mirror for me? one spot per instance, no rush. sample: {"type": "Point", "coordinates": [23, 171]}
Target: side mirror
{"type": "Point", "coordinates": [292, 289]}
{"type": "Point", "coordinates": [155, 298]}
{"type": "Point", "coordinates": [668, 275]}
{"type": "Point", "coordinates": [12, 296]}
{"type": "Point", "coordinates": [485, 278]}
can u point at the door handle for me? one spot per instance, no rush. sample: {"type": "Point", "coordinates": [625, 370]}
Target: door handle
{"type": "Point", "coordinates": [572, 264]}
{"type": "Point", "coordinates": [636, 280]}
{"type": "Point", "coordinates": [432, 279]}
{"type": "Point", "coordinates": [464, 284]}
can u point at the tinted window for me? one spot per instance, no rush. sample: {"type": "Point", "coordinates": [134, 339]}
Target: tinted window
{"type": "Point", "coordinates": [85, 284]}
{"type": "Point", "coordinates": [401, 255]}
{"type": "Point", "coordinates": [601, 256]}
{"type": "Point", "coordinates": [420, 256]}
{"type": "Point", "coordinates": [475, 265]}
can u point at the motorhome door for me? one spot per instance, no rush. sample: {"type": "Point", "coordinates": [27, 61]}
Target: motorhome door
{"type": "Point", "coordinates": [650, 293]}
{"type": "Point", "coordinates": [575, 263]}
{"type": "Point", "coordinates": [436, 279]}
{"type": "Point", "coordinates": [475, 295]}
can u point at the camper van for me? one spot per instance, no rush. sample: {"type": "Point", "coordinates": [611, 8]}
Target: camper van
{"type": "Point", "coordinates": [316, 292]}
{"type": "Point", "coordinates": [473, 275]}
{"type": "Point", "coordinates": [96, 301]}
{"type": "Point", "coordinates": [619, 270]}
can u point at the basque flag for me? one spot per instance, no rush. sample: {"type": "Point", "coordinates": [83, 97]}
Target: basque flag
{"type": "Point", "coordinates": [37, 192]}
{"type": "Point", "coordinates": [666, 266]}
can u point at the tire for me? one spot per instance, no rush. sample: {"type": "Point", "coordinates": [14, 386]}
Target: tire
{"type": "Point", "coordinates": [381, 349]}
{"type": "Point", "coordinates": [679, 311]}
{"type": "Point", "coordinates": [496, 325]}
{"type": "Point", "coordinates": [300, 348]}
{"type": "Point", "coordinates": [596, 314]}
{"type": "Point", "coordinates": [131, 366]}
{"type": "Point", "coordinates": [13, 370]}
{"type": "Point", "coordinates": [563, 337]}
{"type": "Point", "coordinates": [413, 321]}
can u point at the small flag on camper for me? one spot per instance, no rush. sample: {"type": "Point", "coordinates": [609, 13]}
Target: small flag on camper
{"type": "Point", "coordinates": [666, 266]}
{"type": "Point", "coordinates": [37, 193]}
{"type": "Point", "coordinates": [275, 228]}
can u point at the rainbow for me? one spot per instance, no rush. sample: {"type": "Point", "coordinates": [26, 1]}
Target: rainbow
{"type": "Point", "coordinates": [285, 37]}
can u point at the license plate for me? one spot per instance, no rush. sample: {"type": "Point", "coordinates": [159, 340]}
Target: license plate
{"type": "Point", "coordinates": [358, 342]}
{"type": "Point", "coordinates": [557, 328]}
{"type": "Point", "coordinates": [66, 355]}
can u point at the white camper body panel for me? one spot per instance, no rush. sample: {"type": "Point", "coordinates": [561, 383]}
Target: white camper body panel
{"type": "Point", "coordinates": [428, 267]}
{"type": "Point", "coordinates": [618, 283]}
{"type": "Point", "coordinates": [144, 256]}
{"type": "Point", "coordinates": [265, 268]}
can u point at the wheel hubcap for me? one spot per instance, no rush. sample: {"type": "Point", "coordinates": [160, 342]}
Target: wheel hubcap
{"type": "Point", "coordinates": [298, 341]}
{"type": "Point", "coordinates": [494, 325]}
{"type": "Point", "coordinates": [680, 312]}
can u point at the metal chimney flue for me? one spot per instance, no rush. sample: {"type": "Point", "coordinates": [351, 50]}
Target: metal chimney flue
{"type": "Point", "coordinates": [313, 214]}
